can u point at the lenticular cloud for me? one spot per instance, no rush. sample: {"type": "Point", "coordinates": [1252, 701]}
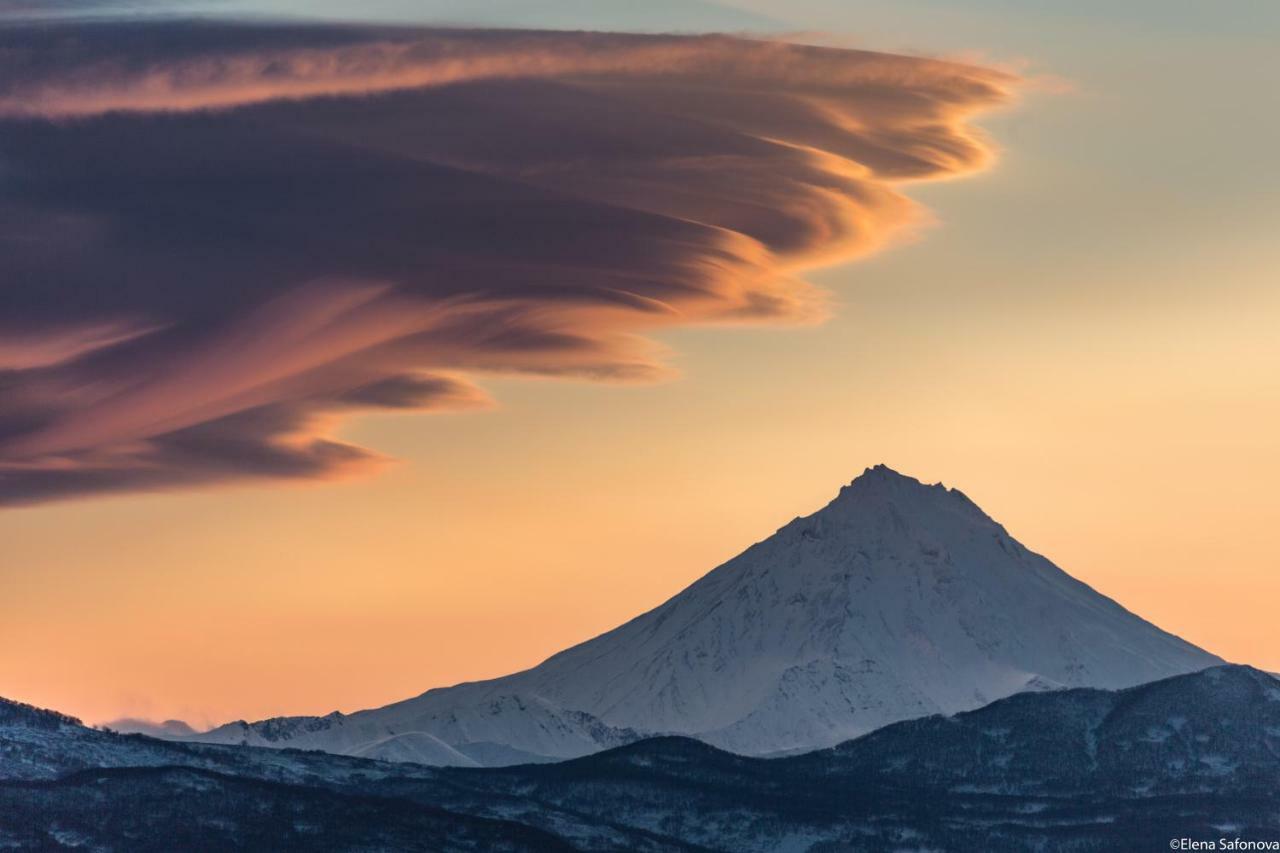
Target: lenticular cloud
{"type": "Point", "coordinates": [217, 239]}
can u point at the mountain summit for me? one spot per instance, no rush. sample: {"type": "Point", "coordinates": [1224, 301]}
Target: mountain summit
{"type": "Point", "coordinates": [896, 600]}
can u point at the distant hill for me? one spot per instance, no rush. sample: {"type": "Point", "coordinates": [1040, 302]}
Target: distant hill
{"type": "Point", "coordinates": [1194, 756]}
{"type": "Point", "coordinates": [163, 729]}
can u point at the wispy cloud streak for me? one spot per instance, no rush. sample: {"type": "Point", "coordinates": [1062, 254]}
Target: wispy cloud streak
{"type": "Point", "coordinates": [218, 239]}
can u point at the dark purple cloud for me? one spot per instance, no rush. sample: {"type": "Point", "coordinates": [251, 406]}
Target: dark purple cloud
{"type": "Point", "coordinates": [217, 238]}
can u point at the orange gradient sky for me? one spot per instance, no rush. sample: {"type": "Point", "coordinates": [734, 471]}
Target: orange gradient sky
{"type": "Point", "coordinates": [1084, 342]}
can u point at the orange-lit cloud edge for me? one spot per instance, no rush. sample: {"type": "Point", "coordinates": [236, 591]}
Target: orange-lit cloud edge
{"type": "Point", "coordinates": [501, 202]}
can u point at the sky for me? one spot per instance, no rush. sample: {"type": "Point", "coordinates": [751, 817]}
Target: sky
{"type": "Point", "coordinates": [414, 436]}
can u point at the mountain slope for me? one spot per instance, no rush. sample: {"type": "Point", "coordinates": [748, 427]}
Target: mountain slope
{"type": "Point", "coordinates": [64, 785]}
{"type": "Point", "coordinates": [162, 809]}
{"type": "Point", "coordinates": [508, 728]}
{"type": "Point", "coordinates": [41, 745]}
{"type": "Point", "coordinates": [897, 600]}
{"type": "Point", "coordinates": [1214, 732]}
{"type": "Point", "coordinates": [1195, 756]}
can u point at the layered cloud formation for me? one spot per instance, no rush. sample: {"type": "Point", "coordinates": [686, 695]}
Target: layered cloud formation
{"type": "Point", "coordinates": [216, 239]}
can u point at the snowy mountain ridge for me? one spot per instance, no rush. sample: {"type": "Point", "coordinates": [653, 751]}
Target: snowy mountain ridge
{"type": "Point", "coordinates": [896, 600]}
{"type": "Point", "coordinates": [1079, 769]}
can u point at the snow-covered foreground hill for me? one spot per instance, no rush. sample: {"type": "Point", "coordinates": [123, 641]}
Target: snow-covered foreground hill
{"type": "Point", "coordinates": [896, 600]}
{"type": "Point", "coordinates": [1193, 756]}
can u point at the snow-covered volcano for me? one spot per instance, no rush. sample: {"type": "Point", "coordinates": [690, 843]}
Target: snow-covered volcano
{"type": "Point", "coordinates": [896, 600]}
